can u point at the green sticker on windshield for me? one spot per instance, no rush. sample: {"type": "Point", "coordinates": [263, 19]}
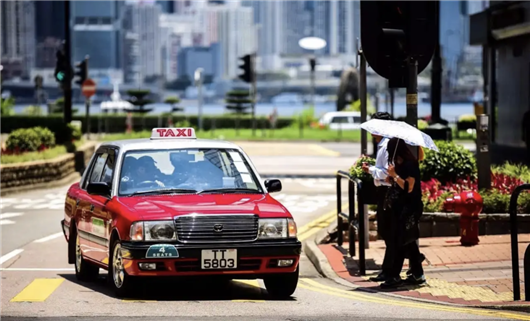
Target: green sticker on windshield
{"type": "Point", "coordinates": [162, 251]}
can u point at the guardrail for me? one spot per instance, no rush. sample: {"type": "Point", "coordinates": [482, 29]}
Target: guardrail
{"type": "Point", "coordinates": [365, 197]}
{"type": "Point", "coordinates": [515, 249]}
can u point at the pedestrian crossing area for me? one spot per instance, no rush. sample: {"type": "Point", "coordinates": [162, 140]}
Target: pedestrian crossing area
{"type": "Point", "coordinates": [50, 201]}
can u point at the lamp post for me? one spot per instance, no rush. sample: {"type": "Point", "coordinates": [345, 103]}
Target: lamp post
{"type": "Point", "coordinates": [198, 83]}
{"type": "Point", "coordinates": [313, 44]}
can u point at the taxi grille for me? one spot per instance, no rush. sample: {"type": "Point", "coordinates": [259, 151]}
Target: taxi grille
{"type": "Point", "coordinates": [217, 228]}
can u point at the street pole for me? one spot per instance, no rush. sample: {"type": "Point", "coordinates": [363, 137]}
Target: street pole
{"type": "Point", "coordinates": [392, 102]}
{"type": "Point", "coordinates": [253, 97]}
{"type": "Point", "coordinates": [412, 96]}
{"type": "Point", "coordinates": [67, 87]}
{"type": "Point", "coordinates": [312, 64]}
{"type": "Point", "coordinates": [436, 76]}
{"type": "Point", "coordinates": [198, 82]}
{"type": "Point", "coordinates": [364, 138]}
{"type": "Point", "coordinates": [87, 105]}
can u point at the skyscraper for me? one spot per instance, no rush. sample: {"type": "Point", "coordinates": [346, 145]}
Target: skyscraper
{"type": "Point", "coordinates": [96, 32]}
{"type": "Point", "coordinates": [18, 37]}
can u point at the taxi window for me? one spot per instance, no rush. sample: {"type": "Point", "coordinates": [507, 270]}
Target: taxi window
{"type": "Point", "coordinates": [194, 169]}
{"type": "Point", "coordinates": [97, 170]}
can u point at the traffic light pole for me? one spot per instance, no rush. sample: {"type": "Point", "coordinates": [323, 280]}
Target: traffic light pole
{"type": "Point", "coordinates": [87, 106]}
{"type": "Point", "coordinates": [363, 92]}
{"type": "Point", "coordinates": [67, 87]}
{"type": "Point", "coordinates": [412, 95]}
{"type": "Point", "coordinates": [253, 61]}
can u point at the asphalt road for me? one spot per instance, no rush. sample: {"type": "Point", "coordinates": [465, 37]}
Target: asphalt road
{"type": "Point", "coordinates": [38, 282]}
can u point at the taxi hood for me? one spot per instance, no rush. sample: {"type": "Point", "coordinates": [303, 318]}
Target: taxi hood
{"type": "Point", "coordinates": [162, 207]}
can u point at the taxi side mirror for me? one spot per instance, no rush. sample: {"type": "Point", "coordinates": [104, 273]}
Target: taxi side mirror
{"type": "Point", "coordinates": [99, 188]}
{"type": "Point", "coordinates": [273, 185]}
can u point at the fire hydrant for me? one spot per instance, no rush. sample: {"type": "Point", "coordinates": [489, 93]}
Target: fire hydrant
{"type": "Point", "coordinates": [469, 204]}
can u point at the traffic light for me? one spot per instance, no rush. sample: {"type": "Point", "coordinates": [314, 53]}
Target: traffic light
{"type": "Point", "coordinates": [248, 68]}
{"type": "Point", "coordinates": [394, 31]}
{"type": "Point", "coordinates": [63, 70]}
{"type": "Point", "coordinates": [81, 71]}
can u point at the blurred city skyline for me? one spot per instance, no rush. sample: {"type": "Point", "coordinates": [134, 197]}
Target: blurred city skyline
{"type": "Point", "coordinates": [162, 43]}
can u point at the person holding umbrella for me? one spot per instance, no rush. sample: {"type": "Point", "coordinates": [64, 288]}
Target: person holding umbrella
{"type": "Point", "coordinates": [403, 198]}
{"type": "Point", "coordinates": [379, 173]}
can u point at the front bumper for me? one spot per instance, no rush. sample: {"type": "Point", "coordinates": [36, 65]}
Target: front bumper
{"type": "Point", "coordinates": [253, 259]}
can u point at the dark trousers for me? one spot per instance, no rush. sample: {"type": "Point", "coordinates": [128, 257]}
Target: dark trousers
{"type": "Point", "coordinates": [384, 228]}
{"type": "Point", "coordinates": [413, 250]}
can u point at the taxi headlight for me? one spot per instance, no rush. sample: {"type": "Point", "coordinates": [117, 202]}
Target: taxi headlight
{"type": "Point", "coordinates": [153, 231]}
{"type": "Point", "coordinates": [276, 228]}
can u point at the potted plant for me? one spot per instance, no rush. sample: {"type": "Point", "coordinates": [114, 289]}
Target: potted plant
{"type": "Point", "coordinates": [367, 193]}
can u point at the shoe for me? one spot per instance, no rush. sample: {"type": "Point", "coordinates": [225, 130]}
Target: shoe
{"type": "Point", "coordinates": [414, 280]}
{"type": "Point", "coordinates": [392, 283]}
{"type": "Point", "coordinates": [381, 277]}
{"type": "Point", "coordinates": [422, 258]}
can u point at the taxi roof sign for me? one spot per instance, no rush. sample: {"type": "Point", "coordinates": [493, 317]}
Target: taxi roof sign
{"type": "Point", "coordinates": [173, 133]}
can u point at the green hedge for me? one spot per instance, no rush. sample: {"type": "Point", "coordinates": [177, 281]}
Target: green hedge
{"type": "Point", "coordinates": [117, 123]}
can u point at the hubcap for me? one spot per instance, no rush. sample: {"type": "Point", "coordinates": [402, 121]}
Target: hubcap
{"type": "Point", "coordinates": [78, 256]}
{"type": "Point", "coordinates": [117, 267]}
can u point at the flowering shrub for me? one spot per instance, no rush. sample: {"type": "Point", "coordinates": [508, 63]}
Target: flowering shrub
{"type": "Point", "coordinates": [496, 200]}
{"type": "Point", "coordinates": [356, 171]}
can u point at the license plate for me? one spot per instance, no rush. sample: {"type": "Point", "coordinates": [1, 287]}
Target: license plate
{"type": "Point", "coordinates": [219, 259]}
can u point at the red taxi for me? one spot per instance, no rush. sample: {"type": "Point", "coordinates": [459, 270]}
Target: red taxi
{"type": "Point", "coordinates": [174, 205]}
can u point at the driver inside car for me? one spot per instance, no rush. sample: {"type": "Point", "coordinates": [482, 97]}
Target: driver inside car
{"type": "Point", "coordinates": [141, 172]}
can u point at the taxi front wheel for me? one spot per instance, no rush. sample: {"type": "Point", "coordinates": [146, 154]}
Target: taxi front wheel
{"type": "Point", "coordinates": [121, 282]}
{"type": "Point", "coordinates": [282, 285]}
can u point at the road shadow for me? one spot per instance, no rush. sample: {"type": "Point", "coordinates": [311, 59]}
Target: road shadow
{"type": "Point", "coordinates": [180, 289]}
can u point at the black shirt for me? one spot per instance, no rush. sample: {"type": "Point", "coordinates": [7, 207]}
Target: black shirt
{"type": "Point", "coordinates": [406, 170]}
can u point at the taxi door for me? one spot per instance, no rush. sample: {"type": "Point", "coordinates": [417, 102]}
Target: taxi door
{"type": "Point", "coordinates": [100, 218]}
{"type": "Point", "coordinates": [91, 238]}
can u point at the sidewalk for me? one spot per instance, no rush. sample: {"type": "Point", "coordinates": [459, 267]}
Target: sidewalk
{"type": "Point", "coordinates": [473, 276]}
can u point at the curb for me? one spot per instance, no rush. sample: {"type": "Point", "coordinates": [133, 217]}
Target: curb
{"type": "Point", "coordinates": [321, 263]}
{"type": "Point", "coordinates": [70, 179]}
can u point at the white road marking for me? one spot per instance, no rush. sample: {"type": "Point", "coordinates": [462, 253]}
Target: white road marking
{"type": "Point", "coordinates": [49, 237]}
{"type": "Point", "coordinates": [8, 215]}
{"type": "Point", "coordinates": [10, 255]}
{"type": "Point", "coordinates": [37, 269]}
{"type": "Point", "coordinates": [6, 222]}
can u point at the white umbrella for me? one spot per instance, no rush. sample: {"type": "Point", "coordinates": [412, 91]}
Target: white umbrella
{"type": "Point", "coordinates": [399, 129]}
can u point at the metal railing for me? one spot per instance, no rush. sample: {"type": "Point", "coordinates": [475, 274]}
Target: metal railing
{"type": "Point", "coordinates": [354, 185]}
{"type": "Point", "coordinates": [515, 248]}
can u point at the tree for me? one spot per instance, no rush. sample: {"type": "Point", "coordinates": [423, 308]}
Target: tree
{"type": "Point", "coordinates": [238, 101]}
{"type": "Point", "coordinates": [137, 98]}
{"type": "Point", "coordinates": [172, 101]}
{"type": "Point", "coordinates": [7, 106]}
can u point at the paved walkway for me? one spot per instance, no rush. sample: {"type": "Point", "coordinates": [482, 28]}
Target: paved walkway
{"type": "Point", "coordinates": [478, 275]}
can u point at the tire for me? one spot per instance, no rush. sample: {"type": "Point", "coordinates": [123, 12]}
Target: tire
{"type": "Point", "coordinates": [120, 281]}
{"type": "Point", "coordinates": [84, 270]}
{"type": "Point", "coordinates": [282, 286]}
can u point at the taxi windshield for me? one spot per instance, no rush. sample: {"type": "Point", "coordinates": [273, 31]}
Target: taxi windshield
{"type": "Point", "coordinates": [201, 170]}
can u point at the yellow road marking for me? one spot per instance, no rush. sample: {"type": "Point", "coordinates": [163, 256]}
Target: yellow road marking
{"type": "Point", "coordinates": [253, 283]}
{"type": "Point", "coordinates": [322, 150]}
{"type": "Point", "coordinates": [316, 225]}
{"type": "Point", "coordinates": [38, 290]}
{"type": "Point", "coordinates": [317, 287]}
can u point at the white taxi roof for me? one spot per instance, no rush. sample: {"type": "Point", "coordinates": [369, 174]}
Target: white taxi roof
{"type": "Point", "coordinates": [155, 142]}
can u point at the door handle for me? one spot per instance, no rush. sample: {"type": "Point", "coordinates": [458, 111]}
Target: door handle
{"type": "Point", "coordinates": [91, 207]}
{"type": "Point", "coordinates": [77, 202]}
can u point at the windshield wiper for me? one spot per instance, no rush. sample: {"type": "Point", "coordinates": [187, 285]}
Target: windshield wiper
{"type": "Point", "coordinates": [164, 191]}
{"type": "Point", "coordinates": [229, 190]}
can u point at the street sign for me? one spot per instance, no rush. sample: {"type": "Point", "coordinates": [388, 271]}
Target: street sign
{"type": "Point", "coordinates": [89, 88]}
